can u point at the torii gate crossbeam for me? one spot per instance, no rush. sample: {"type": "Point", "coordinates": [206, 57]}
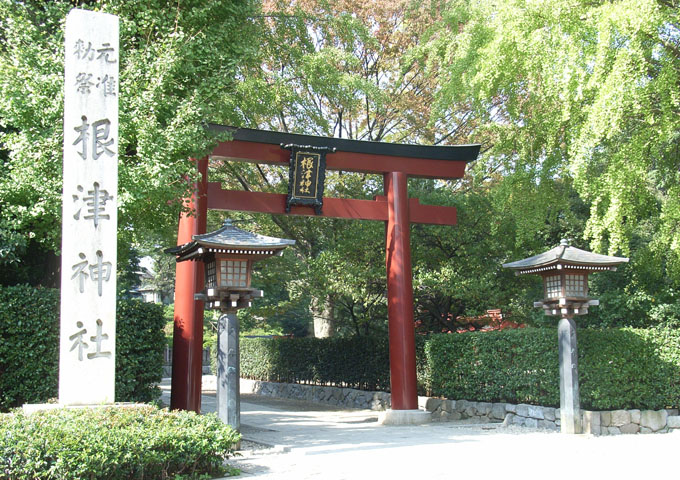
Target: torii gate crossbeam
{"type": "Point", "coordinates": [396, 162]}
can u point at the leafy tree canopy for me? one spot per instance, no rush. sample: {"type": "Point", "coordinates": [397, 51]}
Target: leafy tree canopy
{"type": "Point", "coordinates": [574, 103]}
{"type": "Point", "coordinates": [178, 68]}
{"type": "Point", "coordinates": [585, 92]}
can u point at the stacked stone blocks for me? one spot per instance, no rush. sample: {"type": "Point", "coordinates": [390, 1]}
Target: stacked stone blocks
{"type": "Point", "coordinates": [614, 422]}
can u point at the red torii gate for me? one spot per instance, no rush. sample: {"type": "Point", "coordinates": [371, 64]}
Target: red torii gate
{"type": "Point", "coordinates": [396, 162]}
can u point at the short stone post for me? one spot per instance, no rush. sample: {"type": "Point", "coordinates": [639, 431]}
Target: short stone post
{"type": "Point", "coordinates": [228, 370]}
{"type": "Point", "coordinates": [570, 410]}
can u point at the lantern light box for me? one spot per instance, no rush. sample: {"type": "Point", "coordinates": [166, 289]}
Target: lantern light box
{"type": "Point", "coordinates": [565, 272]}
{"type": "Point", "coordinates": [228, 255]}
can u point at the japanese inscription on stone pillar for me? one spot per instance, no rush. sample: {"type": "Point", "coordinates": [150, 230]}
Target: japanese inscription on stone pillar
{"type": "Point", "coordinates": [89, 211]}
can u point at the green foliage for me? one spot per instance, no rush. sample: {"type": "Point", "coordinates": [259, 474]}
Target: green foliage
{"type": "Point", "coordinates": [583, 92]}
{"type": "Point", "coordinates": [140, 343]}
{"type": "Point", "coordinates": [515, 366]}
{"type": "Point", "coordinates": [29, 347]}
{"type": "Point", "coordinates": [618, 368]}
{"type": "Point", "coordinates": [113, 443]}
{"type": "Point", "coordinates": [629, 368]}
{"type": "Point", "coordinates": [178, 69]}
{"type": "Point", "coordinates": [357, 362]}
{"type": "Point", "coordinates": [574, 104]}
{"type": "Point", "coordinates": [624, 368]}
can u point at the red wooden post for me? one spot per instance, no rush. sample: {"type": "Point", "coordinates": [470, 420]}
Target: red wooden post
{"type": "Point", "coordinates": [187, 340]}
{"type": "Point", "coordinates": [400, 295]}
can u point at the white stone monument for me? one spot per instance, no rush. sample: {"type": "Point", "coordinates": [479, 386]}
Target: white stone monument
{"type": "Point", "coordinates": [87, 353]}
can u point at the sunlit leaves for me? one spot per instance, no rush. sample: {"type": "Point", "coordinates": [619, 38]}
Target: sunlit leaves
{"type": "Point", "coordinates": [178, 69]}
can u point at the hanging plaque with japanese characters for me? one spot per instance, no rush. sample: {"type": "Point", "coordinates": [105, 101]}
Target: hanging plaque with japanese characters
{"type": "Point", "coordinates": [89, 210]}
{"type": "Point", "coordinates": [306, 176]}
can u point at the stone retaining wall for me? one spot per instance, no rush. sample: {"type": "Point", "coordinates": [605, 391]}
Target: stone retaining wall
{"type": "Point", "coordinates": [342, 397]}
{"type": "Point", "coordinates": [598, 423]}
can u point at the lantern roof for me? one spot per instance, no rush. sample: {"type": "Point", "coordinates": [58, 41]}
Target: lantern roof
{"type": "Point", "coordinates": [566, 256]}
{"type": "Point", "coordinates": [229, 239]}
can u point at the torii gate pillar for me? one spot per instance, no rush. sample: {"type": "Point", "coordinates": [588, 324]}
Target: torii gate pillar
{"type": "Point", "coordinates": [400, 295]}
{"type": "Point", "coordinates": [187, 338]}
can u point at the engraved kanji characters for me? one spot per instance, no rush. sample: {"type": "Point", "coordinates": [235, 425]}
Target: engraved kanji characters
{"type": "Point", "coordinates": [95, 201]}
{"type": "Point", "coordinates": [82, 51]}
{"type": "Point", "coordinates": [105, 53]}
{"type": "Point", "coordinates": [100, 138]}
{"type": "Point", "coordinates": [81, 345]}
{"type": "Point", "coordinates": [99, 272]}
{"type": "Point", "coordinates": [89, 228]}
{"type": "Point", "coordinates": [108, 85]}
{"type": "Point", "coordinates": [84, 80]}
{"type": "Point", "coordinates": [84, 83]}
{"type": "Point", "coordinates": [98, 339]}
{"type": "Point", "coordinates": [78, 342]}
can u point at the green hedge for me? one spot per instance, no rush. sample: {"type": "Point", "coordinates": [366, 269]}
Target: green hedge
{"type": "Point", "coordinates": [618, 368]}
{"type": "Point", "coordinates": [140, 343]}
{"type": "Point", "coordinates": [113, 443]}
{"type": "Point", "coordinates": [623, 368]}
{"type": "Point", "coordinates": [29, 347]}
{"type": "Point", "coordinates": [356, 362]}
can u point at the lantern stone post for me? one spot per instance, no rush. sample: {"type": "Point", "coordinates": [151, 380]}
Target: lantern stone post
{"type": "Point", "coordinates": [565, 272]}
{"type": "Point", "coordinates": [570, 407]}
{"type": "Point", "coordinates": [227, 255]}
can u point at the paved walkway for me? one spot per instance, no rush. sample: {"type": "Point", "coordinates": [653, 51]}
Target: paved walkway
{"type": "Point", "coordinates": [287, 439]}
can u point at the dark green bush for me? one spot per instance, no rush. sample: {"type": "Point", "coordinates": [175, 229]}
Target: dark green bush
{"type": "Point", "coordinates": [112, 443]}
{"type": "Point", "coordinates": [140, 342]}
{"type": "Point", "coordinates": [356, 362]}
{"type": "Point", "coordinates": [515, 366]}
{"type": "Point", "coordinates": [618, 368]}
{"type": "Point", "coordinates": [622, 368]}
{"type": "Point", "coordinates": [29, 347]}
{"type": "Point", "coordinates": [629, 368]}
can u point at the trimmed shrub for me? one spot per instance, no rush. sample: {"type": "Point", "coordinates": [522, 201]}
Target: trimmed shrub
{"type": "Point", "coordinates": [29, 347]}
{"type": "Point", "coordinates": [356, 362]}
{"type": "Point", "coordinates": [618, 369]}
{"type": "Point", "coordinates": [140, 343]}
{"type": "Point", "coordinates": [623, 368]}
{"type": "Point", "coordinates": [629, 368]}
{"type": "Point", "coordinates": [514, 366]}
{"type": "Point", "coordinates": [113, 443]}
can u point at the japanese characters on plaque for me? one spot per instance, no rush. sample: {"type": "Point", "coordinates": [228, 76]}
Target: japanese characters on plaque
{"type": "Point", "coordinates": [306, 176]}
{"type": "Point", "coordinates": [89, 210]}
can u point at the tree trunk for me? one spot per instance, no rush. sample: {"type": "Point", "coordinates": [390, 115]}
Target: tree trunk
{"type": "Point", "coordinates": [322, 310]}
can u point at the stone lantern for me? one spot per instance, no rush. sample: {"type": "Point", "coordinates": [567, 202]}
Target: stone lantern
{"type": "Point", "coordinates": [565, 272]}
{"type": "Point", "coordinates": [228, 255]}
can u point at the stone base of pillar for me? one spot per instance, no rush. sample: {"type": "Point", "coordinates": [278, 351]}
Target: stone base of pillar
{"type": "Point", "coordinates": [404, 417]}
